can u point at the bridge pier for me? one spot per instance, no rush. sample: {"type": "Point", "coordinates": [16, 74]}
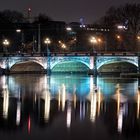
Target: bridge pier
{"type": "Point", "coordinates": [138, 68]}
{"type": "Point", "coordinates": [95, 66]}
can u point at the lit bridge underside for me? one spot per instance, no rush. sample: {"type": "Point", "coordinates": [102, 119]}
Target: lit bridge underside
{"type": "Point", "coordinates": [82, 63]}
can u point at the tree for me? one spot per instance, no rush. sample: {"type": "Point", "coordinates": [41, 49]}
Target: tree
{"type": "Point", "coordinates": [8, 16]}
{"type": "Point", "coordinates": [42, 18]}
{"type": "Point", "coordinates": [128, 16]}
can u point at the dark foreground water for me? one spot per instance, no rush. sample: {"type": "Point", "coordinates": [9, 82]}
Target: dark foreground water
{"type": "Point", "coordinates": [69, 107]}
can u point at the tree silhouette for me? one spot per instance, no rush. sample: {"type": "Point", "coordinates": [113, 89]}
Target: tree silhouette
{"type": "Point", "coordinates": [128, 16]}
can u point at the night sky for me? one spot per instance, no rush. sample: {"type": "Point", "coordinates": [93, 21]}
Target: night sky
{"type": "Point", "coordinates": [65, 10]}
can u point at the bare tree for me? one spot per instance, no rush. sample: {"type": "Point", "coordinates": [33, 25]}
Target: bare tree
{"type": "Point", "coordinates": [128, 16]}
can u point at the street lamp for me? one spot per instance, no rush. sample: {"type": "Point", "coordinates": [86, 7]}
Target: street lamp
{"type": "Point", "coordinates": [62, 45]}
{"type": "Point", "coordinates": [21, 33]}
{"type": "Point", "coordinates": [47, 41]}
{"type": "Point", "coordinates": [138, 38]}
{"type": "Point", "coordinates": [18, 30]}
{"type": "Point", "coordinates": [94, 41]}
{"type": "Point", "coordinates": [118, 37]}
{"type": "Point", "coordinates": [5, 43]}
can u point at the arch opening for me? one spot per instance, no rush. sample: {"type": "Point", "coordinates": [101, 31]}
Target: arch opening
{"type": "Point", "coordinates": [118, 67]}
{"type": "Point", "coordinates": [27, 67]}
{"type": "Point", "coordinates": [70, 67]}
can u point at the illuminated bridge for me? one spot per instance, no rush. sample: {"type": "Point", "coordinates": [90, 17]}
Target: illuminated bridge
{"type": "Point", "coordinates": [70, 62]}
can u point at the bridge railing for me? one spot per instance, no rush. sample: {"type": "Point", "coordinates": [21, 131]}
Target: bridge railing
{"type": "Point", "coordinates": [70, 54]}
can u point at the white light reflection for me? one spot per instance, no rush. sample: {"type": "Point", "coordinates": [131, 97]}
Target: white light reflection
{"type": "Point", "coordinates": [63, 97]}
{"type": "Point", "coordinates": [120, 120]}
{"type": "Point", "coordinates": [5, 101]}
{"type": "Point", "coordinates": [93, 107]}
{"type": "Point", "coordinates": [74, 97]}
{"type": "Point", "coordinates": [91, 85]}
{"type": "Point", "coordinates": [91, 62]}
{"type": "Point", "coordinates": [99, 100]}
{"type": "Point", "coordinates": [138, 103]}
{"type": "Point", "coordinates": [69, 115]}
{"type": "Point", "coordinates": [47, 106]}
{"type": "Point", "coordinates": [18, 114]}
{"type": "Point", "coordinates": [121, 99]}
{"type": "Point", "coordinates": [74, 100]}
{"type": "Point", "coordinates": [59, 99]}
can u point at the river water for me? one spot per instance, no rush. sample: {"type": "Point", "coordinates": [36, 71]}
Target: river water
{"type": "Point", "coordinates": [69, 106]}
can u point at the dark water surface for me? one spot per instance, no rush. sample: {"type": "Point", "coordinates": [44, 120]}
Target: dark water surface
{"type": "Point", "coordinates": [69, 107]}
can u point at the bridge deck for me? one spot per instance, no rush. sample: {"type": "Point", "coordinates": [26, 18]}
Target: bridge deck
{"type": "Point", "coordinates": [71, 54]}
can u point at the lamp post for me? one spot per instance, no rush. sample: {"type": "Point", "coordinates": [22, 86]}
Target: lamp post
{"type": "Point", "coordinates": [93, 40]}
{"type": "Point", "coordinates": [19, 31]}
{"type": "Point", "coordinates": [62, 45]}
{"type": "Point", "coordinates": [5, 43]}
{"type": "Point", "coordinates": [47, 41]}
{"type": "Point", "coordinates": [138, 42]}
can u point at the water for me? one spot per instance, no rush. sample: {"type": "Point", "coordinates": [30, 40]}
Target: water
{"type": "Point", "coordinates": [69, 107]}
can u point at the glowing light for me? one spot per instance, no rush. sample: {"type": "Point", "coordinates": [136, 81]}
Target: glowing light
{"type": "Point", "coordinates": [93, 107]}
{"type": "Point", "coordinates": [138, 104]}
{"type": "Point", "coordinates": [91, 62]}
{"type": "Point", "coordinates": [63, 46]}
{"type": "Point", "coordinates": [138, 37]}
{"type": "Point", "coordinates": [68, 117]}
{"type": "Point", "coordinates": [74, 99]}
{"type": "Point", "coordinates": [47, 106]}
{"type": "Point", "coordinates": [120, 120]}
{"type": "Point", "coordinates": [121, 27]}
{"type": "Point", "coordinates": [18, 30]}
{"type": "Point", "coordinates": [91, 85]}
{"type": "Point", "coordinates": [118, 98]}
{"type": "Point", "coordinates": [99, 100]}
{"type": "Point", "coordinates": [69, 29]}
{"type": "Point", "coordinates": [99, 40]}
{"type": "Point", "coordinates": [29, 125]}
{"type": "Point", "coordinates": [118, 37]}
{"type": "Point", "coordinates": [93, 40]}
{"type": "Point", "coordinates": [5, 102]}
{"type": "Point", "coordinates": [29, 9]}
{"type": "Point", "coordinates": [59, 99]}
{"type": "Point", "coordinates": [6, 42]}
{"type": "Point", "coordinates": [47, 41]}
{"type": "Point", "coordinates": [63, 97]}
{"type": "Point", "coordinates": [18, 114]}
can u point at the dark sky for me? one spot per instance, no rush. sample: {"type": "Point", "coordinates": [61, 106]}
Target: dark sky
{"type": "Point", "coordinates": [65, 10]}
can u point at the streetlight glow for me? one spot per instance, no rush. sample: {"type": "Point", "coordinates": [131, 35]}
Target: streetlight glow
{"type": "Point", "coordinates": [68, 28]}
{"type": "Point", "coordinates": [47, 41]}
{"type": "Point", "coordinates": [138, 37]}
{"type": "Point", "coordinates": [18, 30]}
{"type": "Point", "coordinates": [93, 40]}
{"type": "Point", "coordinates": [5, 42]}
{"type": "Point", "coordinates": [118, 37]}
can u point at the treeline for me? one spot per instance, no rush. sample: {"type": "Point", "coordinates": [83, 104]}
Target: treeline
{"type": "Point", "coordinates": [123, 22]}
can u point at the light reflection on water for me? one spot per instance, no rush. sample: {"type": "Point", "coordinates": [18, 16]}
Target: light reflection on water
{"type": "Point", "coordinates": [65, 100]}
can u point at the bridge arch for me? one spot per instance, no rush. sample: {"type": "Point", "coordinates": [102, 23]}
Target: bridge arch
{"type": "Point", "coordinates": [27, 66]}
{"type": "Point", "coordinates": [117, 67]}
{"type": "Point", "coordinates": [108, 60]}
{"type": "Point", "coordinates": [70, 66]}
{"type": "Point", "coordinates": [85, 60]}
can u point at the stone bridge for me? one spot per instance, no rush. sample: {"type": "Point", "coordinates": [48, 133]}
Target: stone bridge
{"type": "Point", "coordinates": [65, 62]}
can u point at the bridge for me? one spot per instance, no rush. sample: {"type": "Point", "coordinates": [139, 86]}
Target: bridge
{"type": "Point", "coordinates": [70, 62]}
